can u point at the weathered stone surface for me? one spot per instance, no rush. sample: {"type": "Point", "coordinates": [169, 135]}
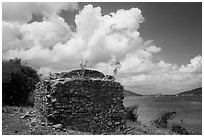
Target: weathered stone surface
{"type": "Point", "coordinates": [87, 104]}
{"type": "Point", "coordinates": [57, 126]}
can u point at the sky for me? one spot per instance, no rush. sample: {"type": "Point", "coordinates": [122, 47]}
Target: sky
{"type": "Point", "coordinates": [159, 45]}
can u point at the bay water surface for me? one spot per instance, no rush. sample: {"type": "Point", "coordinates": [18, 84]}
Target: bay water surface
{"type": "Point", "coordinates": [188, 108]}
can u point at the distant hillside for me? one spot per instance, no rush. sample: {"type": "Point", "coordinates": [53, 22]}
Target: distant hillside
{"type": "Point", "coordinates": [127, 93]}
{"type": "Point", "coordinates": [194, 92]}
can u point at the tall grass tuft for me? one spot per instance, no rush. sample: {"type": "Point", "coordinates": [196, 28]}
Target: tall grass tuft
{"type": "Point", "coordinates": [177, 128]}
{"type": "Point", "coordinates": [131, 113]}
{"type": "Point", "coordinates": [162, 120]}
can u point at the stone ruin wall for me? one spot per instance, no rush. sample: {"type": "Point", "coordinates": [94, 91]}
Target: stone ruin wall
{"type": "Point", "coordinates": [85, 104]}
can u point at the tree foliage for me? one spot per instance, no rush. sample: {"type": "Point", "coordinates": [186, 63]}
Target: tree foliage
{"type": "Point", "coordinates": [18, 82]}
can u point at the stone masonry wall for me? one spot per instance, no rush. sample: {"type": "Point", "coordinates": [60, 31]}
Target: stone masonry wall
{"type": "Point", "coordinates": [92, 105]}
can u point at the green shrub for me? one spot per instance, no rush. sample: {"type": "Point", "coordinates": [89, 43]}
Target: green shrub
{"type": "Point", "coordinates": [18, 82]}
{"type": "Point", "coordinates": [162, 120]}
{"type": "Point", "coordinates": [131, 113]}
{"type": "Point", "coordinates": [179, 129]}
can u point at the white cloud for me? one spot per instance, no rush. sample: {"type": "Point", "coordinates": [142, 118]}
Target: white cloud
{"type": "Point", "coordinates": [126, 19]}
{"type": "Point", "coordinates": [45, 71]}
{"type": "Point", "coordinates": [162, 76]}
{"type": "Point", "coordinates": [34, 40]}
{"type": "Point", "coordinates": [88, 20]}
{"type": "Point", "coordinates": [194, 66]}
{"type": "Point", "coordinates": [153, 49]}
{"type": "Point", "coordinates": [22, 11]}
{"type": "Point", "coordinates": [99, 39]}
{"type": "Point", "coordinates": [48, 32]}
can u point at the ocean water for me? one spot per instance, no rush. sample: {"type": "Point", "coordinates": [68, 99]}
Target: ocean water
{"type": "Point", "coordinates": [188, 108]}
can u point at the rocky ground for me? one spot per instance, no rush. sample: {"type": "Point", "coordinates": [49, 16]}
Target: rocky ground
{"type": "Point", "coordinates": [24, 121]}
{"type": "Point", "coordinates": [17, 121]}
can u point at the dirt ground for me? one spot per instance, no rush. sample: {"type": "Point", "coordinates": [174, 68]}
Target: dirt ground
{"type": "Point", "coordinates": [13, 123]}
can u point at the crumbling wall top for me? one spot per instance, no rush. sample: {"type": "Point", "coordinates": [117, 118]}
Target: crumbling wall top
{"type": "Point", "coordinates": [77, 73]}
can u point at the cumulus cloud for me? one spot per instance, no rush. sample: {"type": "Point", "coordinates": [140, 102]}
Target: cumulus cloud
{"type": "Point", "coordinates": [52, 45]}
{"type": "Point", "coordinates": [153, 49]}
{"type": "Point", "coordinates": [22, 11]}
{"type": "Point", "coordinates": [45, 71]}
{"type": "Point", "coordinates": [194, 66]}
{"type": "Point", "coordinates": [48, 32]}
{"type": "Point", "coordinates": [98, 38]}
{"type": "Point", "coordinates": [163, 77]}
{"type": "Point", "coordinates": [11, 33]}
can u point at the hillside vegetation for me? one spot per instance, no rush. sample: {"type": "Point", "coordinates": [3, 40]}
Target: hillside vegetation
{"type": "Point", "coordinates": [128, 93]}
{"type": "Point", "coordinates": [194, 92]}
{"type": "Point", "coordinates": [18, 83]}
